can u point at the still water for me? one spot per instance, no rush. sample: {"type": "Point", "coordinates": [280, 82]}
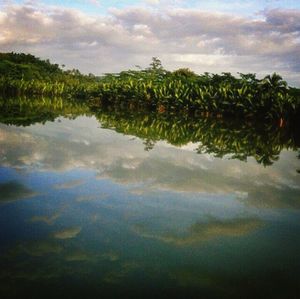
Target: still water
{"type": "Point", "coordinates": [96, 206]}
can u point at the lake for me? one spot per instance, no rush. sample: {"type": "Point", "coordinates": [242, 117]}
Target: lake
{"type": "Point", "coordinates": [113, 202]}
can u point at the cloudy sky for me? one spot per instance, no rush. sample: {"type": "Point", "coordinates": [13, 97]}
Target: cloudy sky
{"type": "Point", "coordinates": [107, 36]}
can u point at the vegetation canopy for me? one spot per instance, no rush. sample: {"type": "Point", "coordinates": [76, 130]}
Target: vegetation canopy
{"type": "Point", "coordinates": [156, 89]}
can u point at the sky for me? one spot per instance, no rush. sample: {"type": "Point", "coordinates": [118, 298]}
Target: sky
{"type": "Point", "coordinates": [97, 36]}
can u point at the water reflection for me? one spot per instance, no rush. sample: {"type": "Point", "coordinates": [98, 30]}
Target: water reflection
{"type": "Point", "coordinates": [86, 211]}
{"type": "Point", "coordinates": [124, 161]}
{"type": "Point", "coordinates": [220, 137]}
{"type": "Point", "coordinates": [200, 232]}
{"type": "Point", "coordinates": [13, 190]}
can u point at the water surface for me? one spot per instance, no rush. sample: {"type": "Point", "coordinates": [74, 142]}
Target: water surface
{"type": "Point", "coordinates": [110, 203]}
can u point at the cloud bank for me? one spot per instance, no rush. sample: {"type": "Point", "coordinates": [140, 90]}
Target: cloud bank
{"type": "Point", "coordinates": [180, 37]}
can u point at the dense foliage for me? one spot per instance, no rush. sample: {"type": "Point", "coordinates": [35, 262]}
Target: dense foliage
{"type": "Point", "coordinates": [183, 90]}
{"type": "Point", "coordinates": [15, 66]}
{"type": "Point", "coordinates": [156, 88]}
{"type": "Point", "coordinates": [25, 74]}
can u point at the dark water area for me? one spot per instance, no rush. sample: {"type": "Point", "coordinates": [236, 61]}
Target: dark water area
{"type": "Point", "coordinates": [112, 202]}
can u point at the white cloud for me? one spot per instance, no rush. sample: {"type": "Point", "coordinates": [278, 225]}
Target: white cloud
{"type": "Point", "coordinates": [126, 37]}
{"type": "Point", "coordinates": [152, 2]}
